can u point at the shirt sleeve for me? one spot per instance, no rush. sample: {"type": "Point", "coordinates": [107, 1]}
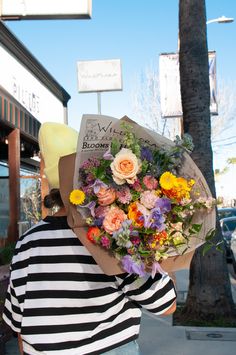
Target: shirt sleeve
{"type": "Point", "coordinates": [12, 314]}
{"type": "Point", "coordinates": [14, 303]}
{"type": "Point", "coordinates": [156, 294]}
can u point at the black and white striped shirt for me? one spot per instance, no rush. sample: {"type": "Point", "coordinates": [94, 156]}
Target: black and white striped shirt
{"type": "Point", "coordinates": [61, 302]}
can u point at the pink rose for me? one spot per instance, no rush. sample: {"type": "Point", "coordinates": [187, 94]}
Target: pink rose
{"type": "Point", "coordinates": [106, 196]}
{"type": "Point", "coordinates": [113, 219]}
{"type": "Point", "coordinates": [150, 182]}
{"type": "Point", "coordinates": [148, 199]}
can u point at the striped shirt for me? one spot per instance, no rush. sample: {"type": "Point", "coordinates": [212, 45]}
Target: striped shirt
{"type": "Point", "coordinates": [62, 303]}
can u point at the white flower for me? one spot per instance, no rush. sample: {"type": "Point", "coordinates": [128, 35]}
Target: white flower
{"type": "Point", "coordinates": [125, 167]}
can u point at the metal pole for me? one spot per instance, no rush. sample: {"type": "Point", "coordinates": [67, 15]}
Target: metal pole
{"type": "Point", "coordinates": [99, 103]}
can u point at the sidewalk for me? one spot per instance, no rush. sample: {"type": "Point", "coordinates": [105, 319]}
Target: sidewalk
{"type": "Point", "coordinates": [159, 337]}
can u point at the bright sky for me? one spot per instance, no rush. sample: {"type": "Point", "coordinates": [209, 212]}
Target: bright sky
{"type": "Point", "coordinates": [135, 31]}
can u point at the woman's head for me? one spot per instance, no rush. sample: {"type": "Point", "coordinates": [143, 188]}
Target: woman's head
{"type": "Point", "coordinates": [53, 199]}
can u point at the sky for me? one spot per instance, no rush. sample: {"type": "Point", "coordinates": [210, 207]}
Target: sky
{"type": "Point", "coordinates": [135, 31]}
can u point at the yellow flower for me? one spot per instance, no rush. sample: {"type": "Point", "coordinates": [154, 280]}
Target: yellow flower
{"type": "Point", "coordinates": [167, 180]}
{"type": "Point", "coordinates": [77, 197]}
{"type": "Point", "coordinates": [181, 184]}
{"type": "Point", "coordinates": [191, 182]}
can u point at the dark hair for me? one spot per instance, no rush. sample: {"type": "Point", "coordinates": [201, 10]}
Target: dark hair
{"type": "Point", "coordinates": [53, 199]}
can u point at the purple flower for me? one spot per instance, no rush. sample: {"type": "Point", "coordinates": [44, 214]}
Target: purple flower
{"type": "Point", "coordinates": [163, 204]}
{"type": "Point", "coordinates": [97, 185]}
{"type": "Point", "coordinates": [146, 154]}
{"type": "Point", "coordinates": [133, 267]}
{"type": "Point", "coordinates": [157, 219]}
{"type": "Point", "coordinates": [107, 155]}
{"type": "Point", "coordinates": [101, 211]}
{"type": "Point", "coordinates": [98, 222]}
{"type": "Point", "coordinates": [91, 206]}
{"type": "Point", "coordinates": [90, 163]}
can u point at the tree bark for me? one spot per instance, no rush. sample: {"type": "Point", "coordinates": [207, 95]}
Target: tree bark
{"type": "Point", "coordinates": [209, 296]}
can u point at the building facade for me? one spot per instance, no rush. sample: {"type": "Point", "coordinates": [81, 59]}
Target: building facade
{"type": "Point", "coordinates": [29, 96]}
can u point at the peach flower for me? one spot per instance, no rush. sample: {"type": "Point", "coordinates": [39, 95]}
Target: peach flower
{"type": "Point", "coordinates": [106, 196]}
{"type": "Point", "coordinates": [125, 167]}
{"type": "Point", "coordinates": [113, 219]}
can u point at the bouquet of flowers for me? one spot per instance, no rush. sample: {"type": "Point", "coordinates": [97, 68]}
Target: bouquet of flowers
{"type": "Point", "coordinates": [137, 203]}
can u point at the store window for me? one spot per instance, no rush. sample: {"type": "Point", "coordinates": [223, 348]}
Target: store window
{"type": "Point", "coordinates": [30, 199]}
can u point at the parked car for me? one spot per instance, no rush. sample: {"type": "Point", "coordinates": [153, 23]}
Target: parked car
{"type": "Point", "coordinates": [228, 227]}
{"type": "Point", "coordinates": [224, 212]}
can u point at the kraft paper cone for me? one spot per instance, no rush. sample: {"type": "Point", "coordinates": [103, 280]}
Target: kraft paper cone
{"type": "Point", "coordinates": [105, 259]}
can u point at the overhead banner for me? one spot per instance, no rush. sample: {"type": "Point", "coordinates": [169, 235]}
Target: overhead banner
{"type": "Point", "coordinates": [99, 75]}
{"type": "Point", "coordinates": [44, 9]}
{"type": "Point", "coordinates": [170, 95]}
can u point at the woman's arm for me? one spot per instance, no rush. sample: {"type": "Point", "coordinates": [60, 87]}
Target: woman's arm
{"type": "Point", "coordinates": [157, 295]}
{"type": "Point", "coordinates": [20, 344]}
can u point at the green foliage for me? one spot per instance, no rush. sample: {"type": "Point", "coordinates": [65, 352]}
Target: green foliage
{"type": "Point", "coordinates": [6, 253]}
{"type": "Point", "coordinates": [115, 146]}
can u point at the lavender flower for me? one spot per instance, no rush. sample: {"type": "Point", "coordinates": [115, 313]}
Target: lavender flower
{"type": "Point", "coordinates": [163, 204]}
{"type": "Point", "coordinates": [157, 219]}
{"type": "Point", "coordinates": [132, 266]}
{"type": "Point", "coordinates": [146, 154]}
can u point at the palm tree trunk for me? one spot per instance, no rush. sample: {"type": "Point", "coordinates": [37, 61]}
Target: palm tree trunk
{"type": "Point", "coordinates": [209, 296]}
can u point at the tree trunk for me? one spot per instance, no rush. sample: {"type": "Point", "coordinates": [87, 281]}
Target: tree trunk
{"type": "Point", "coordinates": [209, 296]}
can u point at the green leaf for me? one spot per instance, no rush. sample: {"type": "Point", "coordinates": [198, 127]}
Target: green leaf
{"type": "Point", "coordinates": [206, 248]}
{"type": "Point", "coordinates": [196, 227]}
{"type": "Point", "coordinates": [210, 234]}
{"type": "Point", "coordinates": [219, 248]}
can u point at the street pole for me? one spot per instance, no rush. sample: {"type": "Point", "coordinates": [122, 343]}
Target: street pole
{"type": "Point", "coordinates": [99, 102]}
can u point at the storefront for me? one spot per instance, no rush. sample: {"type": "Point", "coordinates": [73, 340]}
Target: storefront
{"type": "Point", "coordinates": [29, 96]}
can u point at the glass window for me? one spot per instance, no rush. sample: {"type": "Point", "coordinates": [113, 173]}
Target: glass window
{"type": "Point", "coordinates": [5, 109]}
{"type": "Point", "coordinates": [4, 200]}
{"type": "Point", "coordinates": [30, 197]}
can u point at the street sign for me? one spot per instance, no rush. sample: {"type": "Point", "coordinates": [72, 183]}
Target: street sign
{"type": "Point", "coordinates": [171, 105]}
{"type": "Point", "coordinates": [99, 75]}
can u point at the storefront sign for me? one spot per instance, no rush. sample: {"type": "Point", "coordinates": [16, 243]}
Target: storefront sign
{"type": "Point", "coordinates": [28, 90]}
{"type": "Point", "coordinates": [44, 9]}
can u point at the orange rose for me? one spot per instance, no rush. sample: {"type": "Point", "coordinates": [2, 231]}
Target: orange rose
{"type": "Point", "coordinates": [106, 196]}
{"type": "Point", "coordinates": [113, 219]}
{"type": "Point", "coordinates": [125, 167]}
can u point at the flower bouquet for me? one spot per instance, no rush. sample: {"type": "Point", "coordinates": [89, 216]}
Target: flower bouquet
{"type": "Point", "coordinates": [142, 200]}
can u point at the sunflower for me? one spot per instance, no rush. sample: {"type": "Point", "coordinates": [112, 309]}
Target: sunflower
{"type": "Point", "coordinates": [77, 197]}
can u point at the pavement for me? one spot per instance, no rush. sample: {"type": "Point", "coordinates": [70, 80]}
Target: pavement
{"type": "Point", "coordinates": [159, 337]}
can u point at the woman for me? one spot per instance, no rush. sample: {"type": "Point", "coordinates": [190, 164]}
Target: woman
{"type": "Point", "coordinates": [59, 300]}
